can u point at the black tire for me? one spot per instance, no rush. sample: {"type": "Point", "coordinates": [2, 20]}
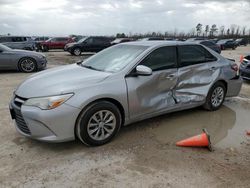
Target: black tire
{"type": "Point", "coordinates": [25, 68]}
{"type": "Point", "coordinates": [85, 118]}
{"type": "Point", "coordinates": [76, 51]}
{"type": "Point", "coordinates": [209, 104]}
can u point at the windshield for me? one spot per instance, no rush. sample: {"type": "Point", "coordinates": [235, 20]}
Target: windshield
{"type": "Point", "coordinates": [82, 40]}
{"type": "Point", "coordinates": [115, 58]}
{"type": "Point", "coordinates": [4, 48]}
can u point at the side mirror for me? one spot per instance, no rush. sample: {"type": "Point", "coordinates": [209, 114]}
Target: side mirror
{"type": "Point", "coordinates": [143, 70]}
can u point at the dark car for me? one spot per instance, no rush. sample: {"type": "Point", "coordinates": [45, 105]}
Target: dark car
{"type": "Point", "coordinates": [22, 60]}
{"type": "Point", "coordinates": [88, 44]}
{"type": "Point", "coordinates": [55, 43]}
{"type": "Point", "coordinates": [121, 40]}
{"type": "Point", "coordinates": [227, 44]}
{"type": "Point", "coordinates": [18, 42]}
{"type": "Point", "coordinates": [245, 68]}
{"type": "Point", "coordinates": [210, 45]}
{"type": "Point", "coordinates": [241, 41]}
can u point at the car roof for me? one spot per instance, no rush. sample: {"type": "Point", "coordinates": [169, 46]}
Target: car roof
{"type": "Point", "coordinates": [159, 43]}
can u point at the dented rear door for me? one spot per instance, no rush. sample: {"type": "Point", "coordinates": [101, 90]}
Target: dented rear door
{"type": "Point", "coordinates": [198, 69]}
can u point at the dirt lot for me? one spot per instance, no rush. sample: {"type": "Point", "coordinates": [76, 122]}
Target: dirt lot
{"type": "Point", "coordinates": [142, 155]}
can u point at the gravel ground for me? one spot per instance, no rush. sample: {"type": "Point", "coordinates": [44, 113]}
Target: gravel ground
{"type": "Point", "coordinates": [142, 155]}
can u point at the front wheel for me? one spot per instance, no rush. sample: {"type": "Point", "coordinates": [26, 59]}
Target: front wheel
{"type": "Point", "coordinates": [98, 123]}
{"type": "Point", "coordinates": [77, 51]}
{"type": "Point", "coordinates": [27, 65]}
{"type": "Point", "coordinates": [215, 97]}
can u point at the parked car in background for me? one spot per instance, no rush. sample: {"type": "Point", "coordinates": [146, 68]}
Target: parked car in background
{"type": "Point", "coordinates": [55, 43]}
{"type": "Point", "coordinates": [40, 39]}
{"type": "Point", "coordinates": [210, 45]}
{"type": "Point", "coordinates": [123, 84]}
{"type": "Point", "coordinates": [88, 44]}
{"type": "Point", "coordinates": [152, 38]}
{"type": "Point", "coordinates": [21, 60]}
{"type": "Point", "coordinates": [196, 38]}
{"type": "Point", "coordinates": [18, 42]}
{"type": "Point", "coordinates": [241, 41]}
{"type": "Point", "coordinates": [227, 44]}
{"type": "Point", "coordinates": [121, 40]}
{"type": "Point", "coordinates": [245, 68]}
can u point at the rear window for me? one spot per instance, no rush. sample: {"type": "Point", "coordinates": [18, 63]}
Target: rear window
{"type": "Point", "coordinates": [194, 54]}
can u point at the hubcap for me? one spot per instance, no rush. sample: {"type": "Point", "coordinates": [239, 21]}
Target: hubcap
{"type": "Point", "coordinates": [101, 125]}
{"type": "Point", "coordinates": [77, 51]}
{"type": "Point", "coordinates": [27, 65]}
{"type": "Point", "coordinates": [217, 96]}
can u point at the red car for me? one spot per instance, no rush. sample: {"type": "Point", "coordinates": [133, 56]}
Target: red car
{"type": "Point", "coordinates": [55, 43]}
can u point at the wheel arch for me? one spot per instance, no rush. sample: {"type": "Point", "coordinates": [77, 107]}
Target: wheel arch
{"type": "Point", "coordinates": [111, 100]}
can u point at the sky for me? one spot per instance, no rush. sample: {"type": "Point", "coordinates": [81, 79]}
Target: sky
{"type": "Point", "coordinates": [108, 17]}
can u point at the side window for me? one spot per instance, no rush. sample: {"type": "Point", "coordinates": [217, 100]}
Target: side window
{"type": "Point", "coordinates": [161, 58]}
{"type": "Point", "coordinates": [194, 54]}
{"type": "Point", "coordinates": [89, 40]}
{"type": "Point", "coordinates": [99, 40]}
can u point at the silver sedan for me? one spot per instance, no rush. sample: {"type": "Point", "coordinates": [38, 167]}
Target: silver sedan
{"type": "Point", "coordinates": [120, 85]}
{"type": "Point", "coordinates": [22, 60]}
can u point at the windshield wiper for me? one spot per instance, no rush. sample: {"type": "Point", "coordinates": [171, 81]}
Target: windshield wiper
{"type": "Point", "coordinates": [90, 67]}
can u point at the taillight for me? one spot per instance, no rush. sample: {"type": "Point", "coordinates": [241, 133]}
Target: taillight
{"type": "Point", "coordinates": [235, 67]}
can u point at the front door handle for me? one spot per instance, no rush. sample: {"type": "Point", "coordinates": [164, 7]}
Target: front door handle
{"type": "Point", "coordinates": [170, 77]}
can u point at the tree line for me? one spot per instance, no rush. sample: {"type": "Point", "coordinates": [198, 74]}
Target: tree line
{"type": "Point", "coordinates": [200, 30]}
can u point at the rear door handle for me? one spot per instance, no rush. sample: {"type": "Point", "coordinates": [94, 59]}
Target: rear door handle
{"type": "Point", "coordinates": [212, 68]}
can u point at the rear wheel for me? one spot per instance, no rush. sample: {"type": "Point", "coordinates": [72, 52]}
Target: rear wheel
{"type": "Point", "coordinates": [98, 123]}
{"type": "Point", "coordinates": [27, 65]}
{"type": "Point", "coordinates": [215, 97]}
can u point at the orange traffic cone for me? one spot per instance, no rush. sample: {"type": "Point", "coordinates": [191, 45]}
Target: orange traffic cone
{"type": "Point", "coordinates": [241, 58]}
{"type": "Point", "coordinates": [202, 140]}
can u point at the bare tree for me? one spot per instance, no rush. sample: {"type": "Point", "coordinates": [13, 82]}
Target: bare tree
{"type": "Point", "coordinates": [222, 30]}
{"type": "Point", "coordinates": [213, 30]}
{"type": "Point", "coordinates": [228, 31]}
{"type": "Point", "coordinates": [199, 29]}
{"type": "Point", "coordinates": [244, 30]}
{"type": "Point", "coordinates": [237, 31]}
{"type": "Point", "coordinates": [207, 29]}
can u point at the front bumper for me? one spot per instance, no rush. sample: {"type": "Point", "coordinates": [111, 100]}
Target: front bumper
{"type": "Point", "coordinates": [234, 86]}
{"type": "Point", "coordinates": [42, 64]}
{"type": "Point", "coordinates": [56, 125]}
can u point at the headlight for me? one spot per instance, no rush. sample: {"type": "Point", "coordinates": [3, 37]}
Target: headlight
{"type": "Point", "coordinates": [48, 103]}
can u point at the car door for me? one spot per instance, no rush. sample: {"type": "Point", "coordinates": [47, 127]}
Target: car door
{"type": "Point", "coordinates": [7, 60]}
{"type": "Point", "coordinates": [151, 94]}
{"type": "Point", "coordinates": [88, 45]}
{"type": "Point", "coordinates": [198, 69]}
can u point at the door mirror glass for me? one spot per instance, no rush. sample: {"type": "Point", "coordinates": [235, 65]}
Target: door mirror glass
{"type": "Point", "coordinates": [143, 70]}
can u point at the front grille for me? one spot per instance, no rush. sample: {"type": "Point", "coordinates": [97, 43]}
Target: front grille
{"type": "Point", "coordinates": [18, 101]}
{"type": "Point", "coordinates": [20, 122]}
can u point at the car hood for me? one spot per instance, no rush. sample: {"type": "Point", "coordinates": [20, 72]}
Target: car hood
{"type": "Point", "coordinates": [61, 80]}
{"type": "Point", "coordinates": [26, 52]}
